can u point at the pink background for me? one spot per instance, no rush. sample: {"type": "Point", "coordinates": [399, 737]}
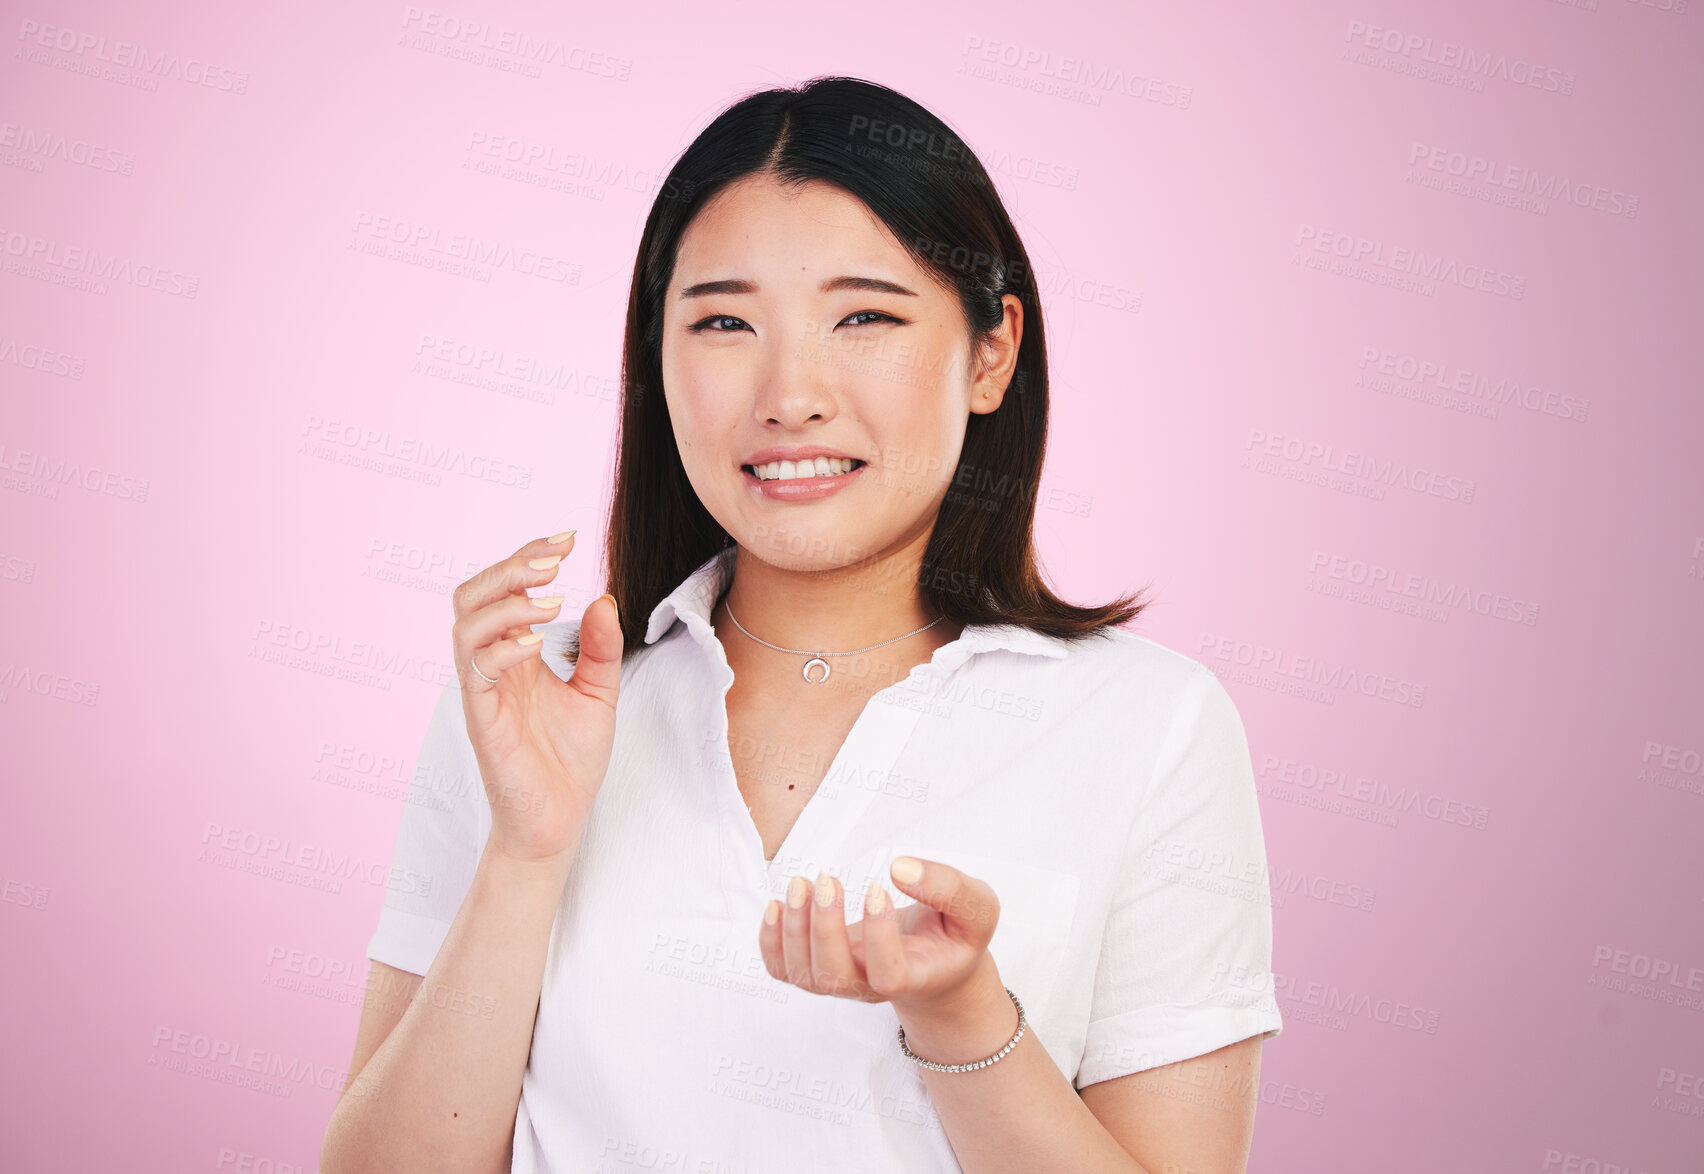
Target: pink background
{"type": "Point", "coordinates": [227, 612]}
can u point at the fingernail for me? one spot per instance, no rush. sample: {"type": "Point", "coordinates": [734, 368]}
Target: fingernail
{"type": "Point", "coordinates": [772, 912]}
{"type": "Point", "coordinates": [824, 890]}
{"type": "Point", "coordinates": [530, 638]}
{"type": "Point", "coordinates": [562, 537]}
{"type": "Point", "coordinates": [797, 890]}
{"type": "Point", "coordinates": [544, 564]}
{"type": "Point", "coordinates": [547, 600]}
{"type": "Point", "coordinates": [907, 870]}
{"type": "Point", "coordinates": [875, 899]}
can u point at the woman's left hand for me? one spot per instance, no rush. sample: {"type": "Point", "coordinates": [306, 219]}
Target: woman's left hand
{"type": "Point", "coordinates": [918, 957]}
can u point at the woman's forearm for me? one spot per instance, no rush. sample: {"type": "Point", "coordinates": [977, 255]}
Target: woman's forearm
{"type": "Point", "coordinates": [441, 1091]}
{"type": "Point", "coordinates": [1019, 1114]}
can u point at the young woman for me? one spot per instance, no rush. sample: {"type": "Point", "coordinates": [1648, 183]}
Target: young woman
{"type": "Point", "coordinates": [830, 839]}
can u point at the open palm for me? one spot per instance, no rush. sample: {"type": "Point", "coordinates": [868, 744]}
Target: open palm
{"type": "Point", "coordinates": [915, 955]}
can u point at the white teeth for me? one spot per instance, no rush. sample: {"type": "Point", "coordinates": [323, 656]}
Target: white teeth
{"type": "Point", "coordinates": [816, 467]}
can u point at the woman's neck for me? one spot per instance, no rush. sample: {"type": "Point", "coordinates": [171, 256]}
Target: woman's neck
{"type": "Point", "coordinates": [837, 611]}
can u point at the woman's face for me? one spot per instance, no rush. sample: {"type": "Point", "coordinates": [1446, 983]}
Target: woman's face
{"type": "Point", "coordinates": [795, 321]}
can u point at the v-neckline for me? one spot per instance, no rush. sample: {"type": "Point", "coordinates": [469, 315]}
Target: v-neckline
{"type": "Point", "coordinates": [879, 717]}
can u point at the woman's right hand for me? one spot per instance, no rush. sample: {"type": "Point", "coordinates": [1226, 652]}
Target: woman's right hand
{"type": "Point", "coordinates": [543, 744]}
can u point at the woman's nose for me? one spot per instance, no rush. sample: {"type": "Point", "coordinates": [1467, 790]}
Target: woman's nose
{"type": "Point", "coordinates": [795, 379]}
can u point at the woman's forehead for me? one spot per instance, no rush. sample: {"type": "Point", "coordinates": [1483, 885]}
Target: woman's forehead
{"type": "Point", "coordinates": [793, 234]}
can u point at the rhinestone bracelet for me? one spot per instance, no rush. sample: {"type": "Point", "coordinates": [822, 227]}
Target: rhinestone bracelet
{"type": "Point", "coordinates": [1010, 1044]}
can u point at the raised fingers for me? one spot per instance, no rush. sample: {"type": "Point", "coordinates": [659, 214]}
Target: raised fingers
{"type": "Point", "coordinates": [769, 940]}
{"type": "Point", "coordinates": [832, 967]}
{"type": "Point", "coordinates": [486, 663]}
{"type": "Point", "coordinates": [808, 945]}
{"type": "Point", "coordinates": [884, 957]}
{"type": "Point", "coordinates": [494, 613]}
{"type": "Point", "coordinates": [533, 565]}
{"type": "Point", "coordinates": [967, 905]}
{"type": "Point", "coordinates": [795, 934]}
{"type": "Point", "coordinates": [503, 620]}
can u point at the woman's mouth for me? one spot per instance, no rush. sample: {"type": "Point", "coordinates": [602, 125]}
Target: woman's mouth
{"type": "Point", "coordinates": [803, 480]}
{"type": "Point", "coordinates": [794, 470]}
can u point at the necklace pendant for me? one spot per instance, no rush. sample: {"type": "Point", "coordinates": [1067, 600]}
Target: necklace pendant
{"type": "Point", "coordinates": [816, 660]}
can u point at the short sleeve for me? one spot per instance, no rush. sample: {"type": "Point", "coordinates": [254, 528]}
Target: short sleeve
{"type": "Point", "coordinates": [445, 819]}
{"type": "Point", "coordinates": [1185, 965]}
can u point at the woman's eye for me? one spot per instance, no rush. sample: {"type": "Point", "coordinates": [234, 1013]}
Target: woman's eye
{"type": "Point", "coordinates": [700, 327]}
{"type": "Point", "coordinates": [875, 315]}
{"type": "Point", "coordinates": [715, 323]}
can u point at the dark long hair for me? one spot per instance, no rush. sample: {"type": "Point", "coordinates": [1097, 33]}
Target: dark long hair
{"type": "Point", "coordinates": [928, 187]}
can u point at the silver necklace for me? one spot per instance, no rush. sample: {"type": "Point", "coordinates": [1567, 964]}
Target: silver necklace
{"type": "Point", "coordinates": [816, 658]}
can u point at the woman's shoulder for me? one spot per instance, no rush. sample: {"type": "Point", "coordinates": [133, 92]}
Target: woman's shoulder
{"type": "Point", "coordinates": [1121, 677]}
{"type": "Point", "coordinates": [1119, 659]}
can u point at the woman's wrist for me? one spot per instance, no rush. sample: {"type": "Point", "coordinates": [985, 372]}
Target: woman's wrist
{"type": "Point", "coordinates": [549, 871]}
{"type": "Point", "coordinates": [970, 1023]}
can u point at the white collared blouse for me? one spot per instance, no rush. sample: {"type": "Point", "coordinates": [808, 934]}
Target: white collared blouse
{"type": "Point", "coordinates": [1104, 789]}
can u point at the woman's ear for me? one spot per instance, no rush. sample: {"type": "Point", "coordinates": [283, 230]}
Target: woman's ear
{"type": "Point", "coordinates": [999, 358]}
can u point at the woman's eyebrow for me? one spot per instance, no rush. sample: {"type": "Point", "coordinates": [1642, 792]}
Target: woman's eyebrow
{"type": "Point", "coordinates": [739, 285]}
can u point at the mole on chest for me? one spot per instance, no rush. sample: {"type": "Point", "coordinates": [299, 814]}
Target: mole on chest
{"type": "Point", "coordinates": [776, 767]}
{"type": "Point", "coordinates": [779, 768]}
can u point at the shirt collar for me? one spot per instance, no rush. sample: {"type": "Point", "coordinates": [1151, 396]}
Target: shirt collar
{"type": "Point", "coordinates": [695, 598]}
